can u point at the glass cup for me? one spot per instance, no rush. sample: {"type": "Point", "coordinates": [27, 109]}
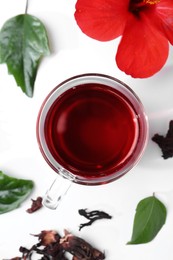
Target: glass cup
{"type": "Point", "coordinates": [91, 129]}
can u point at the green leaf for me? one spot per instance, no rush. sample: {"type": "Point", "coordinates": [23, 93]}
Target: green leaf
{"type": "Point", "coordinates": [149, 218]}
{"type": "Point", "coordinates": [23, 41]}
{"type": "Point", "coordinates": [13, 192]}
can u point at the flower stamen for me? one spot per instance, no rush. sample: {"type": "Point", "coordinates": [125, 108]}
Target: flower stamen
{"type": "Point", "coordinates": [151, 2]}
{"type": "Point", "coordinates": [136, 6]}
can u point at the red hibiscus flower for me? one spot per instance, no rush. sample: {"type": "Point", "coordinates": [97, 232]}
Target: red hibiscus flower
{"type": "Point", "coordinates": [146, 27]}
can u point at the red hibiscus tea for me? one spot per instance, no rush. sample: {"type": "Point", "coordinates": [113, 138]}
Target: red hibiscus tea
{"type": "Point", "coordinates": [92, 128]}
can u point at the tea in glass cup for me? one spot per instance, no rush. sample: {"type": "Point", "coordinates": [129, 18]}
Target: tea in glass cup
{"type": "Point", "coordinates": [91, 129]}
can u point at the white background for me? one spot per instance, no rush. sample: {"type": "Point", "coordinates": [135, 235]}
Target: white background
{"type": "Point", "coordinates": [74, 53]}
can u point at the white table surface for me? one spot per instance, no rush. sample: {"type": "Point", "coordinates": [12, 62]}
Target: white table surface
{"type": "Point", "coordinates": [74, 53]}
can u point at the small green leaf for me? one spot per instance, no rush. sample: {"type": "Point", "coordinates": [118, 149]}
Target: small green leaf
{"type": "Point", "coordinates": [23, 41]}
{"type": "Point", "coordinates": [149, 218]}
{"type": "Point", "coordinates": [13, 192]}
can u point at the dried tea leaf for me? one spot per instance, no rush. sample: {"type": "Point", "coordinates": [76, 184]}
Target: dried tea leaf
{"type": "Point", "coordinates": [165, 142]}
{"type": "Point", "coordinates": [149, 218]}
{"type": "Point", "coordinates": [13, 192]}
{"type": "Point", "coordinates": [92, 216]}
{"type": "Point", "coordinates": [23, 41]}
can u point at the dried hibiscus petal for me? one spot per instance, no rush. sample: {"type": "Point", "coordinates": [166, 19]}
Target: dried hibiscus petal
{"type": "Point", "coordinates": [165, 142]}
{"type": "Point", "coordinates": [79, 248]}
{"type": "Point", "coordinates": [36, 205]}
{"type": "Point", "coordinates": [48, 246]}
{"type": "Point", "coordinates": [47, 237]}
{"type": "Point", "coordinates": [52, 247]}
{"type": "Point", "coordinates": [92, 216]}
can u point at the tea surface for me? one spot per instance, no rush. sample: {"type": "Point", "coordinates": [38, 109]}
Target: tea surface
{"type": "Point", "coordinates": [91, 129]}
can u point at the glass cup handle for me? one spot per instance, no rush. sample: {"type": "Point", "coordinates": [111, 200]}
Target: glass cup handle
{"type": "Point", "coordinates": [56, 192]}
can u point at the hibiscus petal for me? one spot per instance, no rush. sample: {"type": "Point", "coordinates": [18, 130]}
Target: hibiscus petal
{"type": "Point", "coordinates": [164, 11]}
{"type": "Point", "coordinates": [143, 50]}
{"type": "Point", "coordinates": [102, 20]}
